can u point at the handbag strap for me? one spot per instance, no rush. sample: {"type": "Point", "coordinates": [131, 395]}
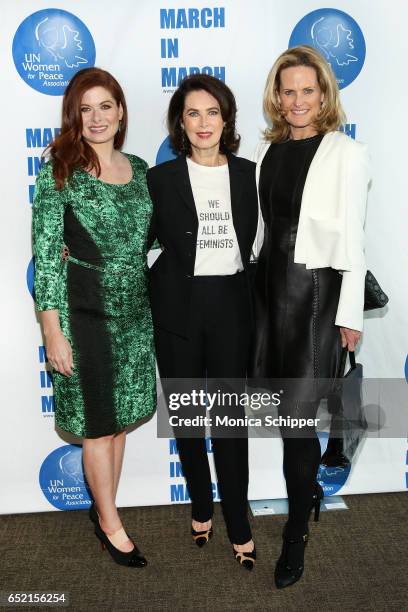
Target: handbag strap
{"type": "Point", "coordinates": [342, 363]}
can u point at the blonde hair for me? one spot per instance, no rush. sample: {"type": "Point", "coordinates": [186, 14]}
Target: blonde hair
{"type": "Point", "coordinates": [331, 114]}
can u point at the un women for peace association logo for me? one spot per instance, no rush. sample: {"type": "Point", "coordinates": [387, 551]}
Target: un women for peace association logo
{"type": "Point", "coordinates": [165, 152]}
{"type": "Point", "coordinates": [339, 39]}
{"type": "Point", "coordinates": [30, 274]}
{"type": "Point", "coordinates": [62, 479]}
{"type": "Point", "coordinates": [49, 47]}
{"type": "Point", "coordinates": [331, 479]}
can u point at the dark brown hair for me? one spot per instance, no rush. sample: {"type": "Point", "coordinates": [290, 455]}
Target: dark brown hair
{"type": "Point", "coordinates": [229, 142]}
{"type": "Point", "coordinates": [69, 150]}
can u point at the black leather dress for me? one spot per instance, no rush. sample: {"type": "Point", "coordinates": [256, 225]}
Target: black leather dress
{"type": "Point", "coordinates": [295, 308]}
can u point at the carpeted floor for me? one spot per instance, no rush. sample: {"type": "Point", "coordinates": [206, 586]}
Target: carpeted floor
{"type": "Point", "coordinates": [356, 560]}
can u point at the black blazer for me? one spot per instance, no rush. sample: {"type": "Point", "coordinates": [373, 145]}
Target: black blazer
{"type": "Point", "coordinates": [175, 225]}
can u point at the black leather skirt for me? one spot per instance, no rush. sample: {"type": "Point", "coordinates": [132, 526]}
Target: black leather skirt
{"type": "Point", "coordinates": [295, 310]}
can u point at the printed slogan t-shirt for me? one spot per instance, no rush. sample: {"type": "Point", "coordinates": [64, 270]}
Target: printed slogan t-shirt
{"type": "Point", "coordinates": [217, 246]}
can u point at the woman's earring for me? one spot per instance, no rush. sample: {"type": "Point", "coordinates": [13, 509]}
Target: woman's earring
{"type": "Point", "coordinates": [120, 125]}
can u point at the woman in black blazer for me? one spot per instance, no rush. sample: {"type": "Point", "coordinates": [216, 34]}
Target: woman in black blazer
{"type": "Point", "coordinates": [205, 216]}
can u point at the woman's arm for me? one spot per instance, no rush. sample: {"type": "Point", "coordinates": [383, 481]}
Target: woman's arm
{"type": "Point", "coordinates": [351, 303]}
{"type": "Point", "coordinates": [260, 232]}
{"type": "Point", "coordinates": [48, 229]}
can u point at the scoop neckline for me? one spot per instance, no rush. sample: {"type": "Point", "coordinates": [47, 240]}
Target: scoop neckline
{"type": "Point", "coordinates": [211, 168]}
{"type": "Point", "coordinates": [299, 141]}
{"type": "Point", "coordinates": [115, 184]}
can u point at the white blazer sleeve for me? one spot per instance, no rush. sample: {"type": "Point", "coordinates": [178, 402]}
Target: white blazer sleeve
{"type": "Point", "coordinates": [257, 158]}
{"type": "Point", "coordinates": [351, 303]}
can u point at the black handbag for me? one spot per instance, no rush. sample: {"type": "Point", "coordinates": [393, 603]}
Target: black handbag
{"type": "Point", "coordinates": [348, 424]}
{"type": "Point", "coordinates": [374, 296]}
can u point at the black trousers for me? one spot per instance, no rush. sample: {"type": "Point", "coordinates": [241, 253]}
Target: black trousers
{"type": "Point", "coordinates": [217, 347]}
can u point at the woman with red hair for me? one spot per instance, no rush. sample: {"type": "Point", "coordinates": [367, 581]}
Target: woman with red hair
{"type": "Point", "coordinates": [94, 306]}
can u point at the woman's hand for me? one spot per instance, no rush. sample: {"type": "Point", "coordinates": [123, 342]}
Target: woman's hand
{"type": "Point", "coordinates": [58, 349]}
{"type": "Point", "coordinates": [349, 338]}
{"type": "Point", "coordinates": [59, 353]}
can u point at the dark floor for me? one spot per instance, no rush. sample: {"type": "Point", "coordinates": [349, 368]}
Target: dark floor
{"type": "Point", "coordinates": [356, 560]}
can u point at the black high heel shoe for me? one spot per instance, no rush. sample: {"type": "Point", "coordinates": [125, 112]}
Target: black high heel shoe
{"type": "Point", "coordinates": [318, 495]}
{"type": "Point", "coordinates": [202, 537]}
{"type": "Point", "coordinates": [246, 559]}
{"type": "Point", "coordinates": [289, 567]}
{"type": "Point", "coordinates": [134, 558]}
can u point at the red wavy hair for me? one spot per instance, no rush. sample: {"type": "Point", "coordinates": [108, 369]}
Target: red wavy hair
{"type": "Point", "coordinates": [69, 150]}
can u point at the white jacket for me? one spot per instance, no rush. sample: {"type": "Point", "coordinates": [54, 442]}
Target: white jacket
{"type": "Point", "coordinates": [331, 222]}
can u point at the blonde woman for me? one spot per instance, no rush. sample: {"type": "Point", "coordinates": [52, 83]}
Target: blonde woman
{"type": "Point", "coordinates": [312, 185]}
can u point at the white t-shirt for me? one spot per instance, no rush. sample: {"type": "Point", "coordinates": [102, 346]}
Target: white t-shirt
{"type": "Point", "coordinates": [217, 250]}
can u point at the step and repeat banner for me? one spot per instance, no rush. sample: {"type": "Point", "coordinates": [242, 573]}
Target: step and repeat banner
{"type": "Point", "coordinates": [150, 46]}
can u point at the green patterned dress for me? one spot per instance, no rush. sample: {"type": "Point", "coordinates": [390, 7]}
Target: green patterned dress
{"type": "Point", "coordinates": [101, 295]}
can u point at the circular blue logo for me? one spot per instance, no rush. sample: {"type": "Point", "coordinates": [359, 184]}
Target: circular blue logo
{"type": "Point", "coordinates": [30, 277]}
{"type": "Point", "coordinates": [406, 369]}
{"type": "Point", "coordinates": [165, 152]}
{"type": "Point", "coordinates": [337, 37]}
{"type": "Point", "coordinates": [49, 47]}
{"type": "Point", "coordinates": [62, 479]}
{"type": "Point", "coordinates": [331, 479]}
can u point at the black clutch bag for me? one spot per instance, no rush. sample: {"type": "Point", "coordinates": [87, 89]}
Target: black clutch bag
{"type": "Point", "coordinates": [374, 296]}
